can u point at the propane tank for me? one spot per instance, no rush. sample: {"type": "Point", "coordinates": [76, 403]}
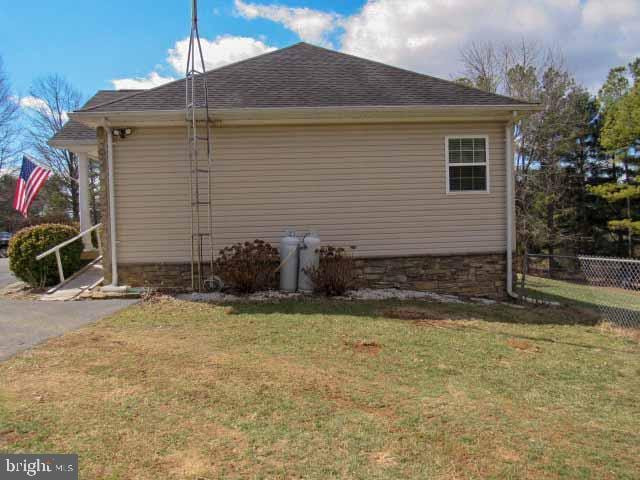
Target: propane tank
{"type": "Point", "coordinates": [289, 245]}
{"type": "Point", "coordinates": [309, 258]}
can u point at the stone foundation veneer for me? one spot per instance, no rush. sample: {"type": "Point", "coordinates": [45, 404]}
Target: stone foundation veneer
{"type": "Point", "coordinates": [482, 275]}
{"type": "Point", "coordinates": [466, 275]}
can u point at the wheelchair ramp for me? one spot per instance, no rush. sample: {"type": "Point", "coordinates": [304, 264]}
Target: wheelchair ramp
{"type": "Point", "coordinates": [87, 279]}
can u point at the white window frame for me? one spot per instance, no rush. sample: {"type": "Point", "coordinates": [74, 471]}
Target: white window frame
{"type": "Point", "coordinates": [467, 164]}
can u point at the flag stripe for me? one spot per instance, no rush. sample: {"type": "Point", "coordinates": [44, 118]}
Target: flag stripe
{"type": "Point", "coordinates": [17, 200]}
{"type": "Point", "coordinates": [30, 181]}
{"type": "Point", "coordinates": [34, 184]}
{"type": "Point", "coordinates": [33, 179]}
{"type": "Point", "coordinates": [35, 191]}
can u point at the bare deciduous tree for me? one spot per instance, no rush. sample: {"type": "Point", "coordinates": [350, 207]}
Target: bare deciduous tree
{"type": "Point", "coordinates": [482, 66]}
{"type": "Point", "coordinates": [505, 68]}
{"type": "Point", "coordinates": [8, 121]}
{"type": "Point", "coordinates": [545, 140]}
{"type": "Point", "coordinates": [51, 98]}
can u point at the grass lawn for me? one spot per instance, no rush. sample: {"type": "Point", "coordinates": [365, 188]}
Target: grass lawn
{"type": "Point", "coordinates": [581, 295]}
{"type": "Point", "coordinates": [320, 389]}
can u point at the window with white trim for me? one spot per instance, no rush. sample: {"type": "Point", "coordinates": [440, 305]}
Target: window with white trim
{"type": "Point", "coordinates": [467, 164]}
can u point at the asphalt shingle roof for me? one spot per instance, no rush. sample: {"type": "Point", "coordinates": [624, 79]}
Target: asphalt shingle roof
{"type": "Point", "coordinates": [304, 75]}
{"type": "Point", "coordinates": [76, 131]}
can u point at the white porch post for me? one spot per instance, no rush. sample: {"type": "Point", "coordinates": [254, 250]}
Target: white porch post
{"type": "Point", "coordinates": [83, 193]}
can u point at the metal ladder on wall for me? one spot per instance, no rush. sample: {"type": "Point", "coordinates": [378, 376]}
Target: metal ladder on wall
{"type": "Point", "coordinates": [198, 142]}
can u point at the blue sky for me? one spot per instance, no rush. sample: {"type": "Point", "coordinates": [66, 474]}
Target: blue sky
{"type": "Point", "coordinates": [96, 43]}
{"type": "Point", "coordinates": [92, 42]}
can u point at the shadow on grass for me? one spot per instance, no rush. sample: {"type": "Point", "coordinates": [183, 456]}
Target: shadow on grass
{"type": "Point", "coordinates": [559, 298]}
{"type": "Point", "coordinates": [440, 315]}
{"type": "Point", "coordinates": [501, 312]}
{"type": "Point", "coordinates": [619, 306]}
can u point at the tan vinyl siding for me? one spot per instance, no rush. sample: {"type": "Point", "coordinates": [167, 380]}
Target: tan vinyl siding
{"type": "Point", "coordinates": [379, 187]}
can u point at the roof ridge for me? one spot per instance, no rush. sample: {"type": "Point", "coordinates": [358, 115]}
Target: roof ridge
{"type": "Point", "coordinates": [114, 90]}
{"type": "Point", "coordinates": [102, 90]}
{"type": "Point", "coordinates": [405, 70]}
{"type": "Point", "coordinates": [277, 50]}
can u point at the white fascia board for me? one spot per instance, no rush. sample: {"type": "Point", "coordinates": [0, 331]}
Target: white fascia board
{"type": "Point", "coordinates": [81, 146]}
{"type": "Point", "coordinates": [257, 116]}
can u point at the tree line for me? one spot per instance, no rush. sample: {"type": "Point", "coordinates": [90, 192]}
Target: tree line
{"type": "Point", "coordinates": [576, 160]}
{"type": "Point", "coordinates": [27, 130]}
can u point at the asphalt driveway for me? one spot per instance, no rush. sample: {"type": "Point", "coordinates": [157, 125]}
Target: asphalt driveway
{"type": "Point", "coordinates": [25, 323]}
{"type": "Point", "coordinates": [6, 278]}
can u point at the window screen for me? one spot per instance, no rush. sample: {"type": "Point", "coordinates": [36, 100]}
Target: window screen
{"type": "Point", "coordinates": [467, 164]}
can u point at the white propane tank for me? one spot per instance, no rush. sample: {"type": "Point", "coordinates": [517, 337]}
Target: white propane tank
{"type": "Point", "coordinates": [309, 258]}
{"type": "Point", "coordinates": [289, 245]}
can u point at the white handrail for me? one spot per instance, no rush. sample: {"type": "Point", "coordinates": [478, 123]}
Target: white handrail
{"type": "Point", "coordinates": [57, 248]}
{"type": "Point", "coordinates": [67, 242]}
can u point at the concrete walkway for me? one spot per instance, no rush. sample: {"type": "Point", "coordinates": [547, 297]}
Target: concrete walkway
{"type": "Point", "coordinates": [25, 323]}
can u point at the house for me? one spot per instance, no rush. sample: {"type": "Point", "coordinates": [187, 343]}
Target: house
{"type": "Point", "coordinates": [414, 171]}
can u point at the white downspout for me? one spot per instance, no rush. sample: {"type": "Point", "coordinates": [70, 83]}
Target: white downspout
{"type": "Point", "coordinates": [508, 133]}
{"type": "Point", "coordinates": [112, 210]}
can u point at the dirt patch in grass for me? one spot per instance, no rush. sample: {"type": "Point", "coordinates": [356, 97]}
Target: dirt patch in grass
{"type": "Point", "coordinates": [370, 347]}
{"type": "Point", "coordinates": [383, 458]}
{"type": "Point", "coordinates": [412, 313]}
{"type": "Point", "coordinates": [11, 436]}
{"type": "Point", "coordinates": [523, 345]}
{"type": "Point", "coordinates": [425, 317]}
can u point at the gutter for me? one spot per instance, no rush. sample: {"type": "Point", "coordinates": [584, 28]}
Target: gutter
{"type": "Point", "coordinates": [270, 115]}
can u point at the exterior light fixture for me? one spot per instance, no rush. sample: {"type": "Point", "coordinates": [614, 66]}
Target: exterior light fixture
{"type": "Point", "coordinates": [121, 132]}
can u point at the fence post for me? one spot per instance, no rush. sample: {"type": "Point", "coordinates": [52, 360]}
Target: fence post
{"type": "Point", "coordinates": [525, 266]}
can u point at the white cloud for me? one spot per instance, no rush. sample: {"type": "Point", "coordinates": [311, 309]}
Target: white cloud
{"type": "Point", "coordinates": [35, 103]}
{"type": "Point", "coordinates": [221, 51]}
{"type": "Point", "coordinates": [609, 12]}
{"type": "Point", "coordinates": [426, 35]}
{"type": "Point", "coordinates": [154, 79]}
{"type": "Point", "coordinates": [310, 25]}
{"type": "Point", "coordinates": [217, 53]}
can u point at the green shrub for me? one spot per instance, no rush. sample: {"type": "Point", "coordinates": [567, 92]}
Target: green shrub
{"type": "Point", "coordinates": [336, 272]}
{"type": "Point", "coordinates": [32, 241]}
{"type": "Point", "coordinates": [248, 267]}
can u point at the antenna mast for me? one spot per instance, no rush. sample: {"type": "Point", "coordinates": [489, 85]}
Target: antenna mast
{"type": "Point", "coordinates": [199, 152]}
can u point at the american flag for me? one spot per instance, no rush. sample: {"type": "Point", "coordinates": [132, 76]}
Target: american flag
{"type": "Point", "coordinates": [30, 181]}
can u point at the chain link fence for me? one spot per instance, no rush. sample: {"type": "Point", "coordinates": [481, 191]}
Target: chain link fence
{"type": "Point", "coordinates": [609, 285]}
{"type": "Point", "coordinates": [616, 283]}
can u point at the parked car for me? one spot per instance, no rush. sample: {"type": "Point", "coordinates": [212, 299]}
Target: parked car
{"type": "Point", "coordinates": [4, 243]}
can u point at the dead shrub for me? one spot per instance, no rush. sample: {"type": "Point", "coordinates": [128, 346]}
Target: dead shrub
{"type": "Point", "coordinates": [248, 267]}
{"type": "Point", "coordinates": [336, 272]}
